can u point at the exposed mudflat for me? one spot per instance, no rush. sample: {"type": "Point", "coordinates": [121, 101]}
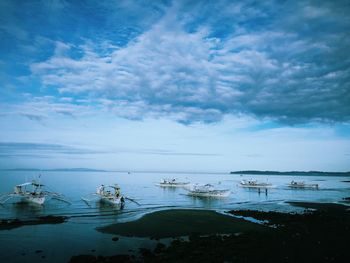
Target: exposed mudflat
{"type": "Point", "coordinates": [181, 222]}
{"type": "Point", "coordinates": [7, 224]}
{"type": "Point", "coordinates": [319, 235]}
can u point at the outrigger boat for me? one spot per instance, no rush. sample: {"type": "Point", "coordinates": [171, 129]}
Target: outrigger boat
{"type": "Point", "coordinates": [302, 185]}
{"type": "Point", "coordinates": [109, 194]}
{"type": "Point", "coordinates": [172, 183]}
{"type": "Point", "coordinates": [32, 192]}
{"type": "Point", "coordinates": [207, 191]}
{"type": "Point", "coordinates": [255, 184]}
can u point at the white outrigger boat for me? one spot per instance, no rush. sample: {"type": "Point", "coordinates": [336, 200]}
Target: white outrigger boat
{"type": "Point", "coordinates": [302, 185]}
{"type": "Point", "coordinates": [207, 190]}
{"type": "Point", "coordinates": [109, 194]}
{"type": "Point", "coordinates": [255, 184]}
{"type": "Point", "coordinates": [32, 192]}
{"type": "Point", "coordinates": [172, 183]}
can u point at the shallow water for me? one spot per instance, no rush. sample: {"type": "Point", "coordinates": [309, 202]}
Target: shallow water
{"type": "Point", "coordinates": [78, 235]}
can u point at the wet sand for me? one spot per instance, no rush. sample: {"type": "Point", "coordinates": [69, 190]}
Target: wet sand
{"type": "Point", "coordinates": [318, 235]}
{"type": "Point", "coordinates": [8, 224]}
{"type": "Point", "coordinates": [322, 207]}
{"type": "Point", "coordinates": [181, 222]}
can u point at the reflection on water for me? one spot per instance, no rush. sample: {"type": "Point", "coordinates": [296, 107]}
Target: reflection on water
{"type": "Point", "coordinates": [141, 187]}
{"type": "Point", "coordinates": [170, 189]}
{"type": "Point", "coordinates": [78, 235]}
{"type": "Point", "coordinates": [21, 209]}
{"type": "Point", "coordinates": [205, 202]}
{"type": "Point", "coordinates": [104, 207]}
{"type": "Point", "coordinates": [258, 191]}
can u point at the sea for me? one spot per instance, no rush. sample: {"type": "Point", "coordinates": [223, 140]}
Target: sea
{"type": "Point", "coordinates": [59, 242]}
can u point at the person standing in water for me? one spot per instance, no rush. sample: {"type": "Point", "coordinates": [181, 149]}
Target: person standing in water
{"type": "Point", "coordinates": [117, 191]}
{"type": "Point", "coordinates": [101, 190]}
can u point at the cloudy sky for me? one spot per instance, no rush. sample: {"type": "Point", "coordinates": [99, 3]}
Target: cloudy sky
{"type": "Point", "coordinates": [175, 85]}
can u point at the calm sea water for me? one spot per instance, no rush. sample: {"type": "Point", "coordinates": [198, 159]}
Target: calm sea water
{"type": "Point", "coordinates": [78, 235]}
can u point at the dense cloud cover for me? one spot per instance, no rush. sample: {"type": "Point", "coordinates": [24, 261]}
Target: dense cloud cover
{"type": "Point", "coordinates": [192, 61]}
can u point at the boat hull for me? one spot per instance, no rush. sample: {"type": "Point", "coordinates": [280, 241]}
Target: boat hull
{"type": "Point", "coordinates": [34, 200]}
{"type": "Point", "coordinates": [214, 194]}
{"type": "Point", "coordinates": [303, 186]}
{"type": "Point", "coordinates": [256, 186]}
{"type": "Point", "coordinates": [173, 185]}
{"type": "Point", "coordinates": [112, 201]}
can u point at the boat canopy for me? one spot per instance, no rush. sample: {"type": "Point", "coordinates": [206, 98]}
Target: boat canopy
{"type": "Point", "coordinates": [114, 186]}
{"type": "Point", "coordinates": [24, 184]}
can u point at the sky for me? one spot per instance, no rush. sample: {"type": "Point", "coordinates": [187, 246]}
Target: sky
{"type": "Point", "coordinates": [203, 86]}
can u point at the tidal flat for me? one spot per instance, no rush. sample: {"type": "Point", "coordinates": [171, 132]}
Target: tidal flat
{"type": "Point", "coordinates": [163, 222]}
{"type": "Point", "coordinates": [318, 235]}
{"type": "Point", "coordinates": [181, 222]}
{"type": "Point", "coordinates": [8, 224]}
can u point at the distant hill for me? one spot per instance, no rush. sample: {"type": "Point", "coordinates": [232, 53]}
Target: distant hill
{"type": "Point", "coordinates": [76, 170]}
{"type": "Point", "coordinates": [57, 170]}
{"type": "Point", "coordinates": [292, 173]}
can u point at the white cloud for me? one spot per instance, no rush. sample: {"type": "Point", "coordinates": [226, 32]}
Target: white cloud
{"type": "Point", "coordinates": [169, 70]}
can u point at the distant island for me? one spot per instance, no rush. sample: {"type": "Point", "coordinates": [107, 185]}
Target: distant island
{"type": "Point", "coordinates": [317, 173]}
{"type": "Point", "coordinates": [56, 170]}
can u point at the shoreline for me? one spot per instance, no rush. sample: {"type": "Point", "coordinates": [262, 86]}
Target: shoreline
{"type": "Point", "coordinates": [180, 222]}
{"type": "Point", "coordinates": [318, 235]}
{"type": "Point", "coordinates": [9, 224]}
